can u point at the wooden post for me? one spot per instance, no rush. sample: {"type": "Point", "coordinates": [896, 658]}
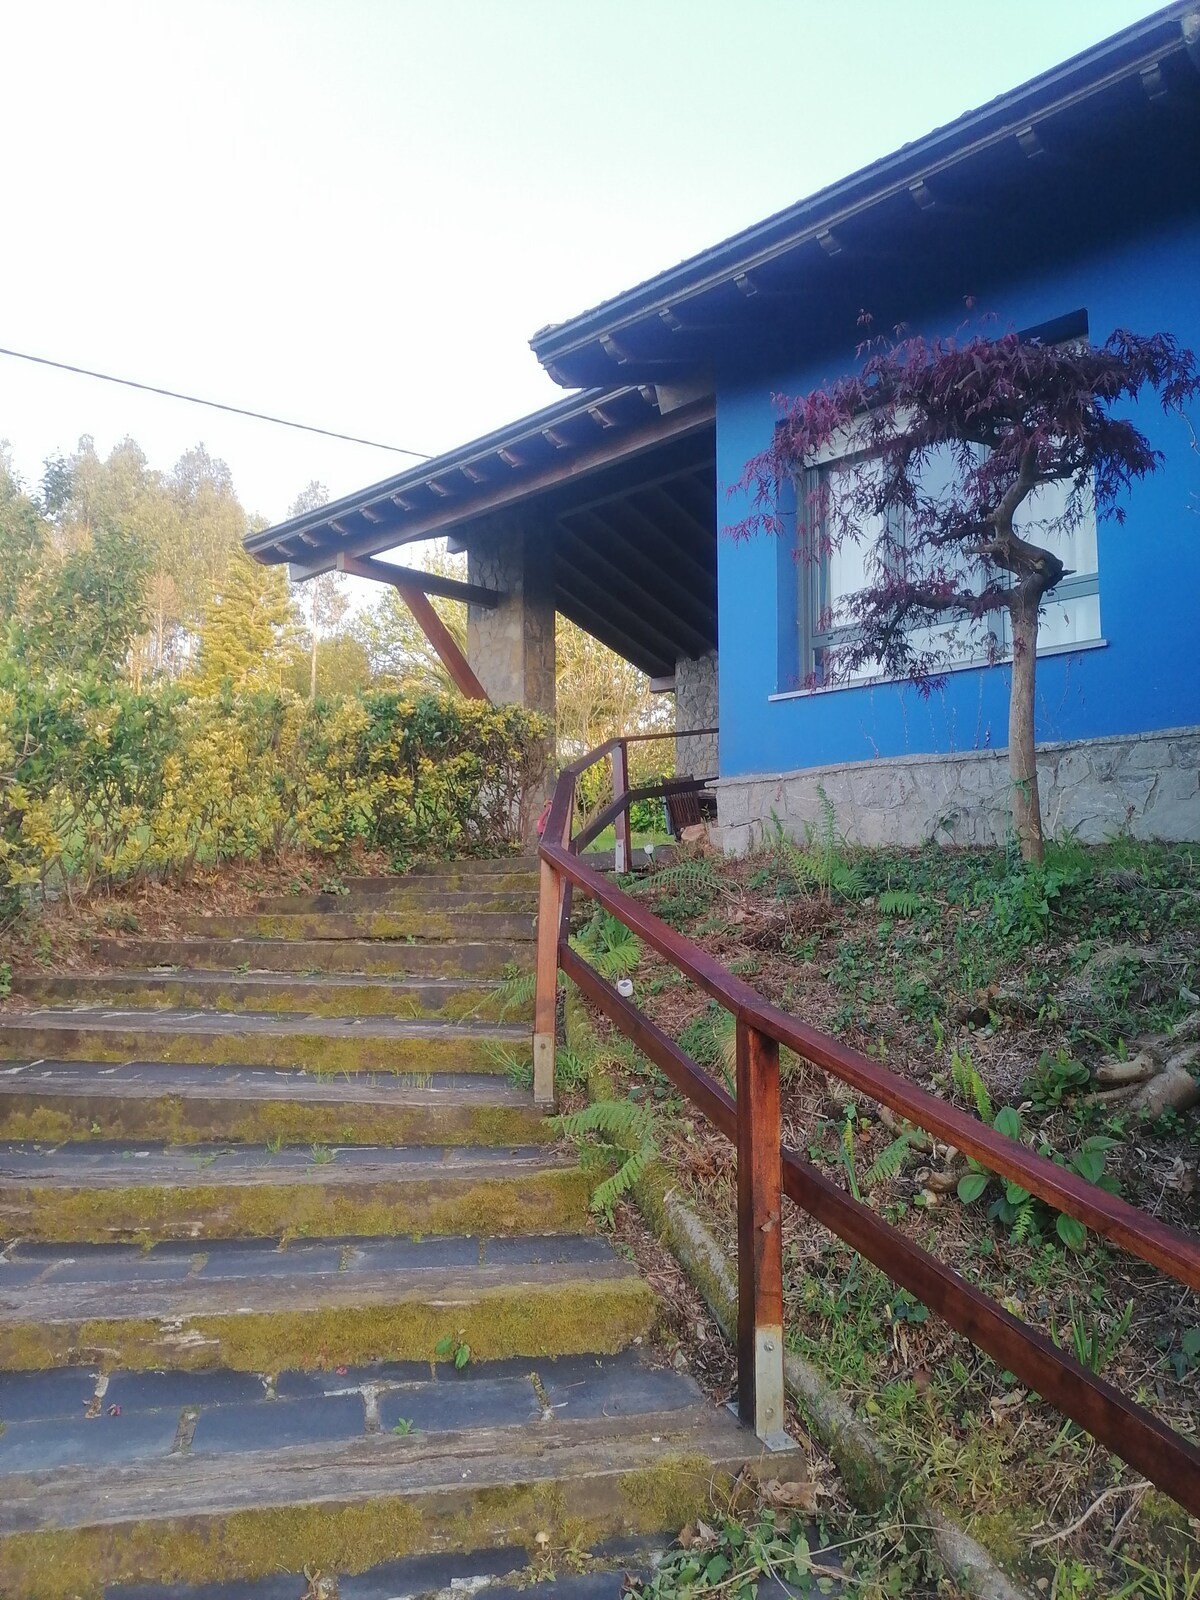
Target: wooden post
{"type": "Point", "coordinates": [760, 1241]}
{"type": "Point", "coordinates": [622, 859]}
{"type": "Point", "coordinates": [545, 1003]}
{"type": "Point", "coordinates": [551, 889]}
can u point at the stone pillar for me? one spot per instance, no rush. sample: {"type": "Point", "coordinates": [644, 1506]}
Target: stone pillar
{"type": "Point", "coordinates": [511, 647]}
{"type": "Point", "coordinates": [696, 707]}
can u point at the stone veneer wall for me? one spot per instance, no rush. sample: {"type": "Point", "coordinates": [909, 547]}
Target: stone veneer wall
{"type": "Point", "coordinates": [1145, 784]}
{"type": "Point", "coordinates": [696, 707]}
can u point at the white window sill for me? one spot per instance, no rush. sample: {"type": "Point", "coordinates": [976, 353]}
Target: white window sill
{"type": "Point", "coordinates": [957, 666]}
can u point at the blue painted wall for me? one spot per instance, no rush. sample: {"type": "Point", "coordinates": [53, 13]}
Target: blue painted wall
{"type": "Point", "coordinates": [1147, 677]}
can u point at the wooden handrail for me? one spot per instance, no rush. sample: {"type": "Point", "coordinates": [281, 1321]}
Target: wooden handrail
{"type": "Point", "coordinates": [752, 1122]}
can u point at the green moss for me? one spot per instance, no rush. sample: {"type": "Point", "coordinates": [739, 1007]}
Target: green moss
{"type": "Point", "coordinates": [668, 1494]}
{"type": "Point", "coordinates": [571, 1318]}
{"type": "Point", "coordinates": [539, 1202]}
{"type": "Point", "coordinates": [425, 923]}
{"type": "Point", "coordinates": [319, 1052]}
{"type": "Point", "coordinates": [429, 1001]}
{"type": "Point", "coordinates": [173, 1120]}
{"type": "Point", "coordinates": [578, 1512]}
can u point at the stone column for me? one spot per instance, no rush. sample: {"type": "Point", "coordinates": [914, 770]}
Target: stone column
{"type": "Point", "coordinates": [696, 706]}
{"type": "Point", "coordinates": [511, 648]}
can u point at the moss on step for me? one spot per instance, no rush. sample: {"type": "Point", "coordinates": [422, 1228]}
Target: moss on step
{"type": "Point", "coordinates": [317, 1052]}
{"type": "Point", "coordinates": [574, 1317]}
{"type": "Point", "coordinates": [478, 957]}
{"type": "Point", "coordinates": [172, 1119]}
{"type": "Point", "coordinates": [328, 1536]}
{"type": "Point", "coordinates": [425, 924]}
{"type": "Point", "coordinates": [554, 1201]}
{"type": "Point", "coordinates": [431, 1002]}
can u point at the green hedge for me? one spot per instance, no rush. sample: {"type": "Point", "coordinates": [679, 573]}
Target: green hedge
{"type": "Point", "coordinates": [102, 784]}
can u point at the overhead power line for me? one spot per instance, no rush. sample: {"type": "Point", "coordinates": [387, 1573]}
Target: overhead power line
{"type": "Point", "coordinates": [214, 405]}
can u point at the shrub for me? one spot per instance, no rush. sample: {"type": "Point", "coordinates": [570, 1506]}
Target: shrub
{"type": "Point", "coordinates": [99, 783]}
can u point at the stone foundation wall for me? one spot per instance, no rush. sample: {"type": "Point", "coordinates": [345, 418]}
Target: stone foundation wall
{"type": "Point", "coordinates": [696, 706]}
{"type": "Point", "coordinates": [1147, 785]}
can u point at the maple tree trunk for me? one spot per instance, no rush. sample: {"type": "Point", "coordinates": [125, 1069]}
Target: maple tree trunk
{"type": "Point", "coordinates": [1022, 752]}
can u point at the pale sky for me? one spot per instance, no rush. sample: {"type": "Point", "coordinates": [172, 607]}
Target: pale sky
{"type": "Point", "coordinates": [355, 213]}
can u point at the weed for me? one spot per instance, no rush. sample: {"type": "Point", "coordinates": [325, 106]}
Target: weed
{"type": "Point", "coordinates": [452, 1348]}
{"type": "Point", "coordinates": [321, 1155]}
{"type": "Point", "coordinates": [1187, 1358]}
{"type": "Point", "coordinates": [1015, 1207]}
{"type": "Point", "coordinates": [275, 1144]}
{"type": "Point", "coordinates": [404, 1427]}
{"type": "Point", "coordinates": [1090, 1348]}
{"type": "Point", "coordinates": [1055, 1077]}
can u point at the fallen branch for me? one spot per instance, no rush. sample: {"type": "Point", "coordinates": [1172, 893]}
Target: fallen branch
{"type": "Point", "coordinates": [1109, 1494]}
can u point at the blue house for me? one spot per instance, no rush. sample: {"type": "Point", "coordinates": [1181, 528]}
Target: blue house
{"type": "Point", "coordinates": [1065, 209]}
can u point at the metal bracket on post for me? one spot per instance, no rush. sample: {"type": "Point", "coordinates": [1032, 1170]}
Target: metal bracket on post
{"type": "Point", "coordinates": [620, 783]}
{"type": "Point", "coordinates": [760, 1238]}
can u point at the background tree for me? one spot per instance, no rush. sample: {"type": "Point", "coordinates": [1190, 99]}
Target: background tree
{"type": "Point", "coordinates": [400, 654]}
{"type": "Point", "coordinates": [951, 439]}
{"type": "Point", "coordinates": [244, 628]}
{"type": "Point", "coordinates": [322, 600]}
{"type": "Point", "coordinates": [22, 539]}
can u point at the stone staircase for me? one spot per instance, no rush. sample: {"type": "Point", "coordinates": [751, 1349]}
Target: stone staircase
{"type": "Point", "coordinates": [297, 1295]}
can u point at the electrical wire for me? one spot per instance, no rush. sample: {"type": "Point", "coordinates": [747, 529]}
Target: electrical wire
{"type": "Point", "coordinates": [215, 405]}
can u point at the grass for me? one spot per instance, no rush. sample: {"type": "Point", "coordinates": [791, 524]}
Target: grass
{"type": "Point", "coordinates": [1001, 987]}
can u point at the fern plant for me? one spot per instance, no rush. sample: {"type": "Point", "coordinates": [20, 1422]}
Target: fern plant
{"type": "Point", "coordinates": [899, 903]}
{"type": "Point", "coordinates": [609, 946]}
{"type": "Point", "coordinates": [515, 991]}
{"type": "Point", "coordinates": [964, 1075]}
{"type": "Point", "coordinates": [693, 875]}
{"type": "Point", "coordinates": [821, 864]}
{"type": "Point", "coordinates": [611, 1132]}
{"type": "Point", "coordinates": [889, 1161]}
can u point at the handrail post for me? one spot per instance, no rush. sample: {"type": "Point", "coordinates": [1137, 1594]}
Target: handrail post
{"type": "Point", "coordinates": [760, 1241]}
{"type": "Point", "coordinates": [620, 781]}
{"type": "Point", "coordinates": [552, 888]}
{"type": "Point", "coordinates": [545, 1000]}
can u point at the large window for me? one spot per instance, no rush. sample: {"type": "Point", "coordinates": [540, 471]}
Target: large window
{"type": "Point", "coordinates": [828, 577]}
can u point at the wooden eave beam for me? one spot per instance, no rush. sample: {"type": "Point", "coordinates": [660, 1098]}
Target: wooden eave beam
{"type": "Point", "coordinates": [657, 430]}
{"type": "Point", "coordinates": [472, 594]}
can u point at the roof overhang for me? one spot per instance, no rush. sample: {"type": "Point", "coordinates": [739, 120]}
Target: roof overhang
{"type": "Point", "coordinates": [624, 484]}
{"type": "Point", "coordinates": [1091, 144]}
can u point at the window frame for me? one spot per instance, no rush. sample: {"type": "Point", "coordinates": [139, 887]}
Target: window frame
{"type": "Point", "coordinates": [813, 587]}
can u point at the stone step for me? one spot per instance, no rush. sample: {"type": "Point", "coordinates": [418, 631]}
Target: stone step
{"type": "Point", "coordinates": [428, 924]}
{"type": "Point", "coordinates": [419, 899]}
{"type": "Point", "coordinates": [494, 1574]}
{"type": "Point", "coordinates": [137, 1191]}
{"type": "Point", "coordinates": [55, 1101]}
{"type": "Point", "coordinates": [317, 1305]}
{"type": "Point", "coordinates": [335, 994]}
{"type": "Point", "coordinates": [586, 1453]}
{"type": "Point", "coordinates": [467, 867]}
{"type": "Point", "coordinates": [259, 1039]}
{"type": "Point", "coordinates": [487, 958]}
{"type": "Point", "coordinates": [461, 877]}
